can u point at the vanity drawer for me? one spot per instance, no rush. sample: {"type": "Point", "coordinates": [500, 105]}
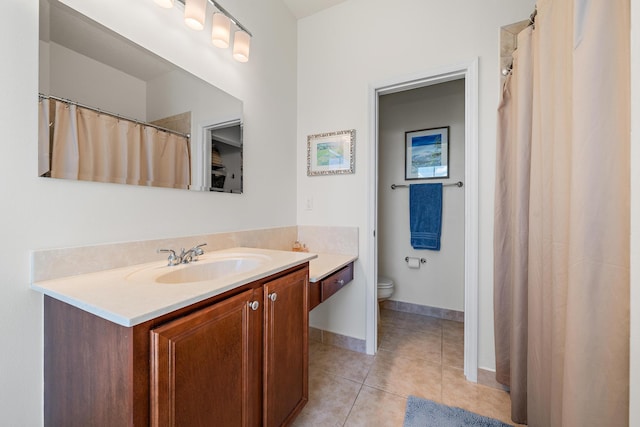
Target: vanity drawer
{"type": "Point", "coordinates": [333, 283]}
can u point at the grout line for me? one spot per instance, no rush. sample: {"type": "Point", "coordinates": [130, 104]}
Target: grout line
{"type": "Point", "coordinates": [352, 406]}
{"type": "Point", "coordinates": [394, 354]}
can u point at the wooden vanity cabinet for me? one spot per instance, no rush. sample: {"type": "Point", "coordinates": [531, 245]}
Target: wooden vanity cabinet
{"type": "Point", "coordinates": [320, 291]}
{"type": "Point", "coordinates": [205, 367]}
{"type": "Point", "coordinates": [226, 361]}
{"type": "Point", "coordinates": [286, 348]}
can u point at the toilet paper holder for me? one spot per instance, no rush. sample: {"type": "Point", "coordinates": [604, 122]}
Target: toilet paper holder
{"type": "Point", "coordinates": [422, 260]}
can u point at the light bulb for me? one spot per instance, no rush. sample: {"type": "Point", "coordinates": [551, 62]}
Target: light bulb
{"type": "Point", "coordinates": [241, 44]}
{"type": "Point", "coordinates": [220, 31]}
{"type": "Point", "coordinates": [194, 13]}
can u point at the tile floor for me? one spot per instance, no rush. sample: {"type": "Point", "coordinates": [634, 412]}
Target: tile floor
{"type": "Point", "coordinates": [417, 355]}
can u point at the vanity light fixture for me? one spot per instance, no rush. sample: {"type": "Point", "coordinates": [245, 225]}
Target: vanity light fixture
{"type": "Point", "coordinates": [194, 13]}
{"type": "Point", "coordinates": [194, 16]}
{"type": "Point", "coordinates": [220, 30]}
{"type": "Point", "coordinates": [241, 43]}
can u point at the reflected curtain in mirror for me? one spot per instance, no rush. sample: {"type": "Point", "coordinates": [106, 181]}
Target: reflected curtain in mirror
{"type": "Point", "coordinates": [92, 146]}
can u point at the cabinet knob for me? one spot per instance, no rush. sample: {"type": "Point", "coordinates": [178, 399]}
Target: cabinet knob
{"type": "Point", "coordinates": [254, 305]}
{"type": "Point", "coordinates": [341, 282]}
{"type": "Point", "coordinates": [273, 296]}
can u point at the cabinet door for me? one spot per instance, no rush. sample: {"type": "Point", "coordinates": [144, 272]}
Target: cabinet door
{"type": "Point", "coordinates": [206, 366]}
{"type": "Point", "coordinates": [286, 348]}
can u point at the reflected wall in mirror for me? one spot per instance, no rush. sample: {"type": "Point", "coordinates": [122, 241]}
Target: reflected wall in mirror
{"type": "Point", "coordinates": [111, 111]}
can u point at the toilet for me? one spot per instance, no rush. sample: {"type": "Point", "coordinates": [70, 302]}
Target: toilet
{"type": "Point", "coordinates": [385, 290]}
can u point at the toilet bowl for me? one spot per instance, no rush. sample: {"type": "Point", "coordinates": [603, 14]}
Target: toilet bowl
{"type": "Point", "coordinates": [385, 288]}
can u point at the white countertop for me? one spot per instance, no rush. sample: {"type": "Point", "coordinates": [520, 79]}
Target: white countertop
{"type": "Point", "coordinates": [325, 264]}
{"type": "Point", "coordinates": [125, 297]}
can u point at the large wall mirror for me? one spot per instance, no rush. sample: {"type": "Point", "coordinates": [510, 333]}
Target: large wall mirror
{"type": "Point", "coordinates": [111, 111]}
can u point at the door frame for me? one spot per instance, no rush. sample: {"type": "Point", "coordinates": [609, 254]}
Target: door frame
{"type": "Point", "coordinates": [469, 72]}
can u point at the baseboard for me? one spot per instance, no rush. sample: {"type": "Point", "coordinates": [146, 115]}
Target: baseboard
{"type": "Point", "coordinates": [424, 310]}
{"type": "Point", "coordinates": [337, 340]}
{"type": "Point", "coordinates": [487, 378]}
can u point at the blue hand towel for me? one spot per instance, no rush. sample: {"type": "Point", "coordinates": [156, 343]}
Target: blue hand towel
{"type": "Point", "coordinates": [425, 215]}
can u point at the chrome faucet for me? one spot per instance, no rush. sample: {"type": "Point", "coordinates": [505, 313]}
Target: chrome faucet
{"type": "Point", "coordinates": [185, 257]}
{"type": "Point", "coordinates": [173, 259]}
{"type": "Point", "coordinates": [192, 254]}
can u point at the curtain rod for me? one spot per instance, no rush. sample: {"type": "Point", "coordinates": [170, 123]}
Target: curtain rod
{"type": "Point", "coordinates": [42, 96]}
{"type": "Point", "coordinates": [532, 23]}
{"type": "Point", "coordinates": [532, 17]}
{"type": "Point", "coordinates": [455, 184]}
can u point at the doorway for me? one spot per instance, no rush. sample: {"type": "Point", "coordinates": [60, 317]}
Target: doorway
{"type": "Point", "coordinates": [223, 146]}
{"type": "Point", "coordinates": [468, 72]}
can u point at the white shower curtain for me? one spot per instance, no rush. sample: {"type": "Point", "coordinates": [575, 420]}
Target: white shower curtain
{"type": "Point", "coordinates": [91, 146]}
{"type": "Point", "coordinates": [561, 273]}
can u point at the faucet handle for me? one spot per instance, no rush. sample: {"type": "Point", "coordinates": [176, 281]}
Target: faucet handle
{"type": "Point", "coordinates": [173, 259]}
{"type": "Point", "coordinates": [197, 250]}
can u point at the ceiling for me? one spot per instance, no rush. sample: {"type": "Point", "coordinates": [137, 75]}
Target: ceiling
{"type": "Point", "coordinates": [90, 39]}
{"type": "Point", "coordinates": [78, 33]}
{"type": "Point", "coordinates": [302, 8]}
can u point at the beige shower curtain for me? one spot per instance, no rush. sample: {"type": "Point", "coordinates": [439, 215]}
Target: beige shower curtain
{"type": "Point", "coordinates": [110, 148]}
{"type": "Point", "coordinates": [561, 277]}
{"type": "Point", "coordinates": [91, 146]}
{"type": "Point", "coordinates": [44, 138]}
{"type": "Point", "coordinates": [166, 160]}
{"type": "Point", "coordinates": [511, 240]}
{"type": "Point", "coordinates": [65, 156]}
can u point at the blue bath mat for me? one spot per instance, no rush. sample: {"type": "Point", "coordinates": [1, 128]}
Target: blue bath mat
{"type": "Point", "coordinates": [425, 413]}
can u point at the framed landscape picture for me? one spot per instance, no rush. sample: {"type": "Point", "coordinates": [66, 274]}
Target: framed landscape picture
{"type": "Point", "coordinates": [427, 153]}
{"type": "Point", "coordinates": [331, 153]}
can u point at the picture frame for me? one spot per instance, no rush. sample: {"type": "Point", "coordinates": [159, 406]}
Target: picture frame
{"type": "Point", "coordinates": [331, 153]}
{"type": "Point", "coordinates": [427, 153]}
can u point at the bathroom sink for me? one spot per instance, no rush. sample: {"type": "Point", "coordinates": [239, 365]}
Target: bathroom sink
{"type": "Point", "coordinates": [211, 266]}
{"type": "Point", "coordinates": [209, 270]}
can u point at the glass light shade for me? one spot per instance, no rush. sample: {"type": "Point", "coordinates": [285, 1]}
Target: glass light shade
{"type": "Point", "coordinates": [194, 13]}
{"type": "Point", "coordinates": [241, 44]}
{"type": "Point", "coordinates": [167, 4]}
{"type": "Point", "coordinates": [220, 31]}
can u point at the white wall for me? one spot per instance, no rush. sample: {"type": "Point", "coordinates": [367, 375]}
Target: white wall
{"type": "Point", "coordinates": [178, 92]}
{"type": "Point", "coordinates": [44, 213]}
{"type": "Point", "coordinates": [345, 50]}
{"type": "Point", "coordinates": [87, 81]}
{"type": "Point", "coordinates": [439, 282]}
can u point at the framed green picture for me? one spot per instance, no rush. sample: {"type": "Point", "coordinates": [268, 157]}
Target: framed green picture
{"type": "Point", "coordinates": [331, 153]}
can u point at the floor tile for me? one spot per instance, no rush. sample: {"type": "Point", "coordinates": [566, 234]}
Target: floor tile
{"type": "Point", "coordinates": [453, 329]}
{"type": "Point", "coordinates": [330, 400]}
{"type": "Point", "coordinates": [412, 344]}
{"type": "Point", "coordinates": [452, 354]}
{"type": "Point", "coordinates": [399, 319]}
{"type": "Point", "coordinates": [418, 355]}
{"type": "Point", "coordinates": [405, 376]}
{"type": "Point", "coordinates": [338, 361]}
{"type": "Point", "coordinates": [486, 401]}
{"type": "Point", "coordinates": [377, 408]}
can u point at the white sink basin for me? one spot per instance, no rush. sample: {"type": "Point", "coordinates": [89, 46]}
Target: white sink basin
{"type": "Point", "coordinates": [199, 271]}
{"type": "Point", "coordinates": [209, 267]}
